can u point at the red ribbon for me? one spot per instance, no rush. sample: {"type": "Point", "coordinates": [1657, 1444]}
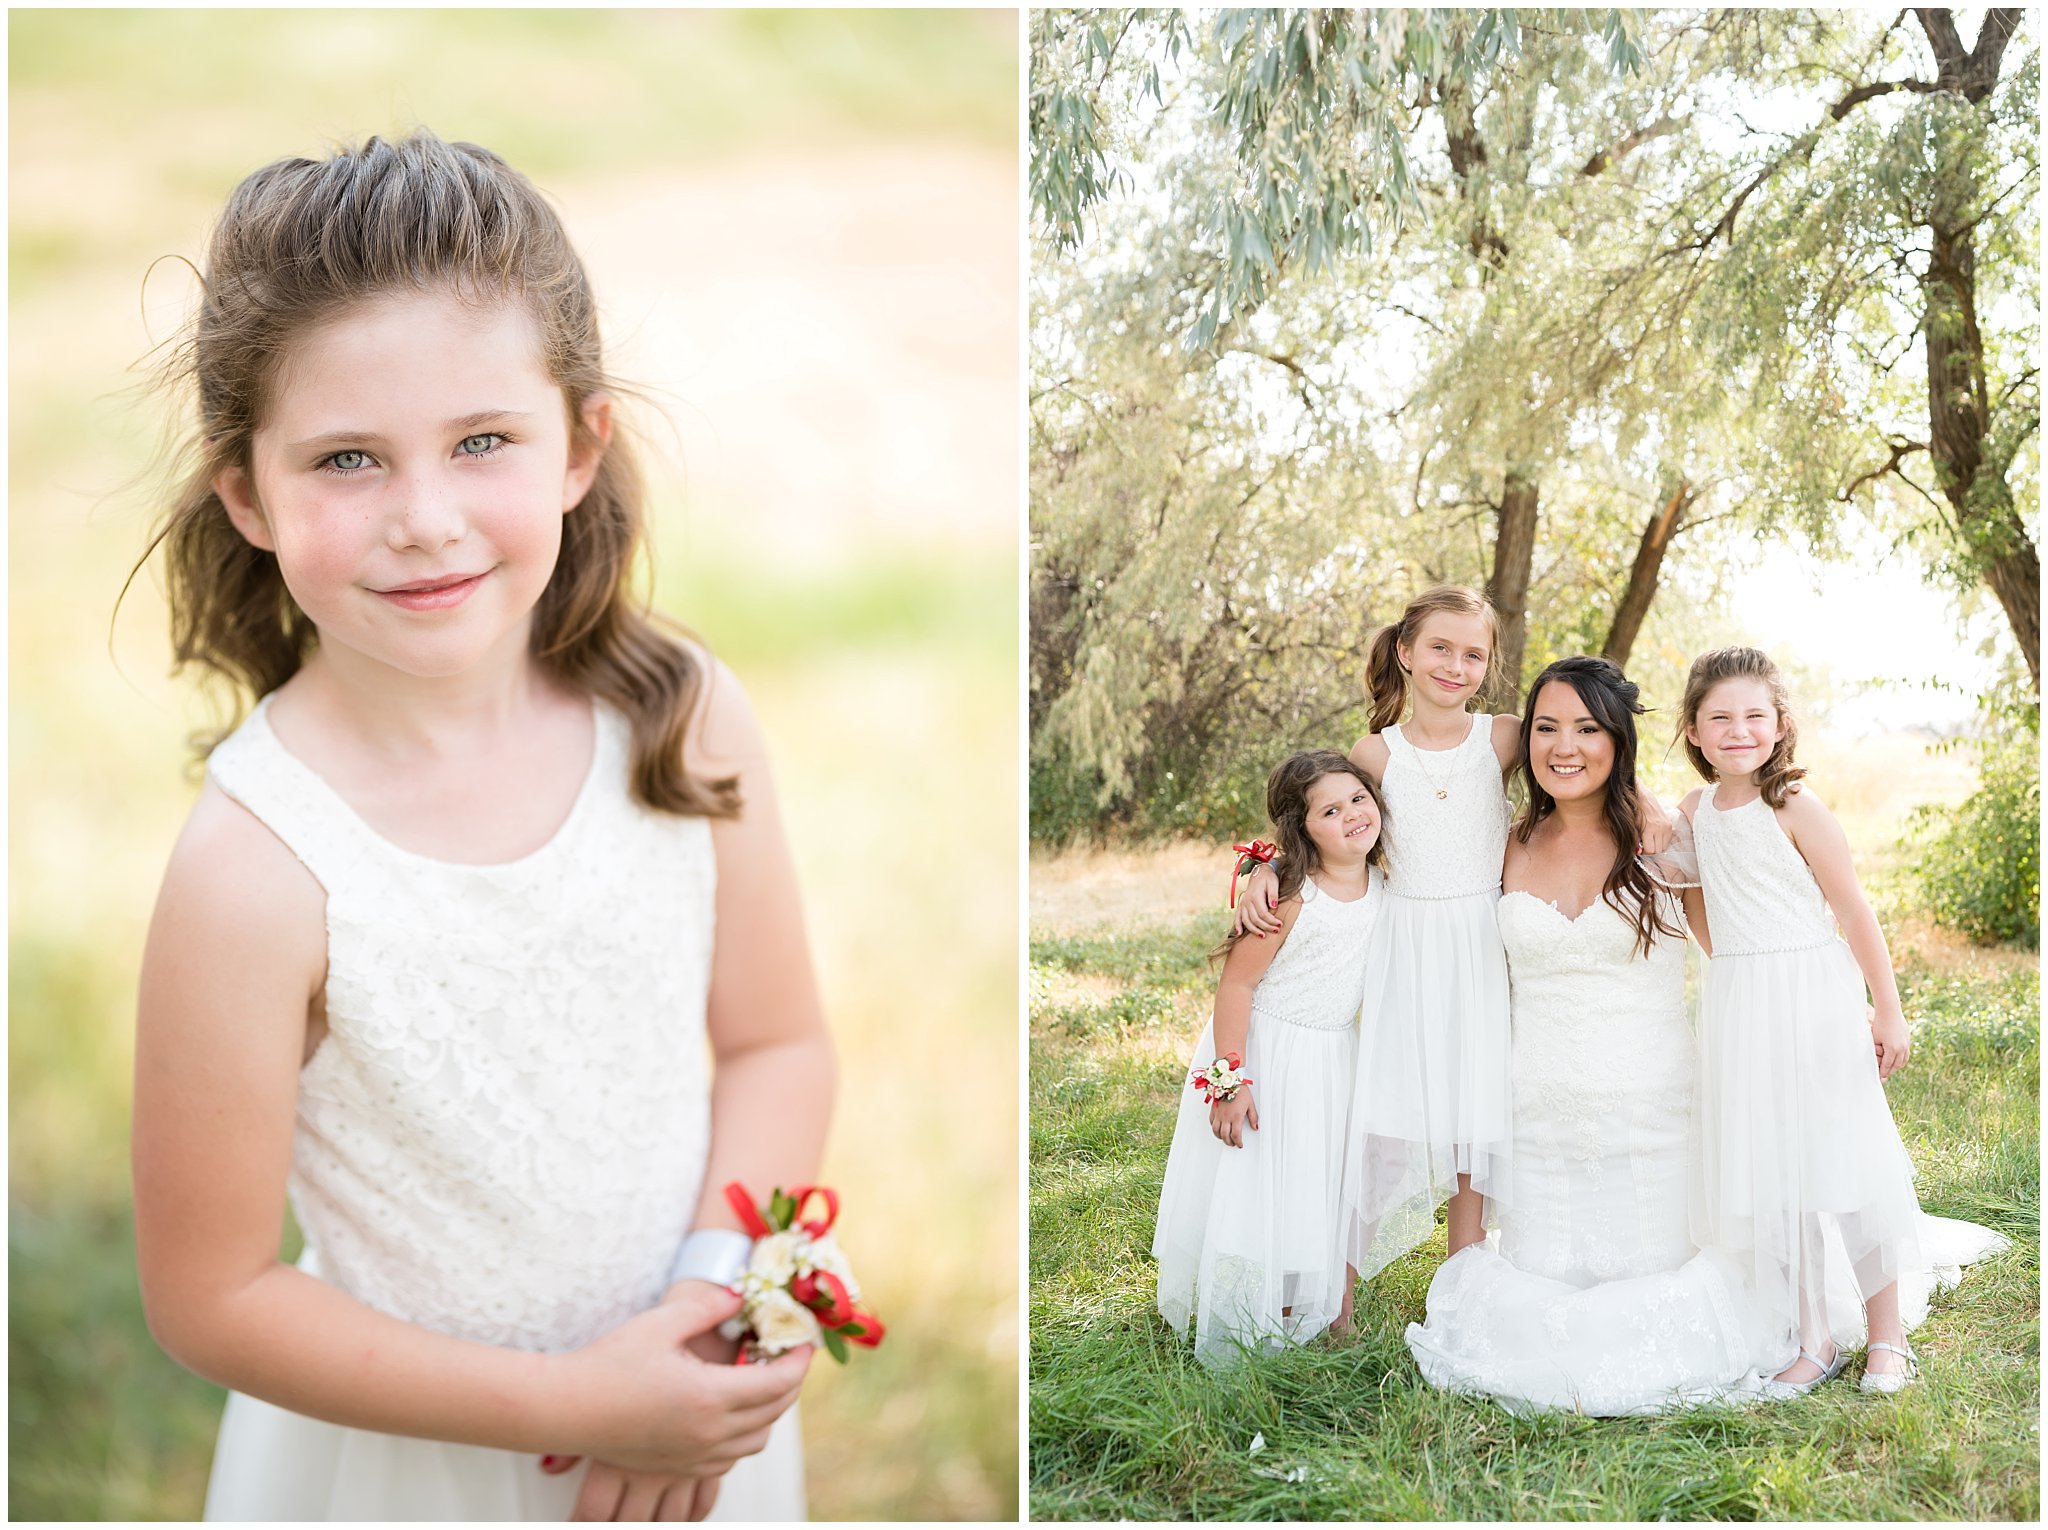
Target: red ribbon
{"type": "Point", "coordinates": [825, 1294]}
{"type": "Point", "coordinates": [1258, 850]}
{"type": "Point", "coordinates": [750, 1217]}
{"type": "Point", "coordinates": [871, 1329]}
{"type": "Point", "coordinates": [817, 1227]}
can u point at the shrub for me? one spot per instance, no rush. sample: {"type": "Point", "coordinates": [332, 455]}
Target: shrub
{"type": "Point", "coordinates": [1979, 864]}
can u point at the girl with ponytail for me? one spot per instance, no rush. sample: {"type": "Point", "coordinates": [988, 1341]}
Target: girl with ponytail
{"type": "Point", "coordinates": [1430, 1104]}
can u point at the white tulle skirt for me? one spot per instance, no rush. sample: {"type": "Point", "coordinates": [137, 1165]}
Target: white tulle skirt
{"type": "Point", "coordinates": [1248, 1243]}
{"type": "Point", "coordinates": [1801, 1175]}
{"type": "Point", "coordinates": [1433, 1087]}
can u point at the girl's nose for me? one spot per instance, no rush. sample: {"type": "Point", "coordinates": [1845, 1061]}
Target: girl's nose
{"type": "Point", "coordinates": [426, 515]}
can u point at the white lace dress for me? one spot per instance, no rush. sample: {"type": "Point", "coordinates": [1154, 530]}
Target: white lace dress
{"type": "Point", "coordinates": [1248, 1243]}
{"type": "Point", "coordinates": [1432, 1094]}
{"type": "Point", "coordinates": [1801, 1171]}
{"type": "Point", "coordinates": [503, 1134]}
{"type": "Point", "coordinates": [1590, 1296]}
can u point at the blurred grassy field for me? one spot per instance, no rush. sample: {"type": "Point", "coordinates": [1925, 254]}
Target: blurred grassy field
{"type": "Point", "coordinates": [802, 227]}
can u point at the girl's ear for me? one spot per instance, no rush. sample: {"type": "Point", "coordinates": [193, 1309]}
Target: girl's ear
{"type": "Point", "coordinates": [586, 449]}
{"type": "Point", "coordinates": [238, 497]}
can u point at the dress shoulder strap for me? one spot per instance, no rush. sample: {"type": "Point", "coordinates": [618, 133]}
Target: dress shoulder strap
{"type": "Point", "coordinates": [288, 798]}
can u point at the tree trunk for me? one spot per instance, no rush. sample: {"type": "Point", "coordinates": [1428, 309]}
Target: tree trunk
{"type": "Point", "coordinates": [1642, 578]}
{"type": "Point", "coordinates": [1514, 547]}
{"type": "Point", "coordinates": [1958, 401]}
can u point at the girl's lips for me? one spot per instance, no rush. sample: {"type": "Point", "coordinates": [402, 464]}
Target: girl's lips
{"type": "Point", "coordinates": [434, 597]}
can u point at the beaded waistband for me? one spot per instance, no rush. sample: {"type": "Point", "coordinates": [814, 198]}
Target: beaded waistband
{"type": "Point", "coordinates": [1307, 1025]}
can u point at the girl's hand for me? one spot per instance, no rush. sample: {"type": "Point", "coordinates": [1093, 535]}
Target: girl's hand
{"type": "Point", "coordinates": [1894, 1045]}
{"type": "Point", "coordinates": [610, 1493]}
{"type": "Point", "coordinates": [1228, 1118]}
{"type": "Point", "coordinates": [638, 1399]}
{"type": "Point", "coordinates": [1255, 914]}
{"type": "Point", "coordinates": [1653, 824]}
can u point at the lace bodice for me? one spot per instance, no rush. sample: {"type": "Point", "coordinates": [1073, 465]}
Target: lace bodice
{"type": "Point", "coordinates": [1317, 978]}
{"type": "Point", "coordinates": [503, 1133]}
{"type": "Point", "coordinates": [1448, 846]}
{"type": "Point", "coordinates": [1761, 895]}
{"type": "Point", "coordinates": [1592, 1020]}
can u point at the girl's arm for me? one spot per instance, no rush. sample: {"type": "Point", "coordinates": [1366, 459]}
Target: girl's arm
{"type": "Point", "coordinates": [236, 953]}
{"type": "Point", "coordinates": [1694, 898]}
{"type": "Point", "coordinates": [773, 1066]}
{"type": "Point", "coordinates": [1231, 1020]}
{"type": "Point", "coordinates": [1819, 838]}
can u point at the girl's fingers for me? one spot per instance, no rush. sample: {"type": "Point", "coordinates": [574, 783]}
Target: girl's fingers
{"type": "Point", "coordinates": [641, 1502]}
{"type": "Point", "coordinates": [707, 1498]}
{"type": "Point", "coordinates": [603, 1487]}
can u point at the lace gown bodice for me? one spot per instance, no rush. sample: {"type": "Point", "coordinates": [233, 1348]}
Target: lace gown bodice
{"type": "Point", "coordinates": [503, 1133]}
{"type": "Point", "coordinates": [1603, 1066]}
{"type": "Point", "coordinates": [1447, 846]}
{"type": "Point", "coordinates": [1318, 977]}
{"type": "Point", "coordinates": [1761, 895]}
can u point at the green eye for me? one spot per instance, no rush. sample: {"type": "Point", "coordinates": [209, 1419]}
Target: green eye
{"type": "Point", "coordinates": [349, 462]}
{"type": "Point", "coordinates": [479, 446]}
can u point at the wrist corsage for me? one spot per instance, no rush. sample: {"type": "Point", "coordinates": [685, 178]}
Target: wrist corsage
{"type": "Point", "coordinates": [1220, 1081]}
{"type": "Point", "coordinates": [797, 1287]}
{"type": "Point", "coordinates": [1257, 853]}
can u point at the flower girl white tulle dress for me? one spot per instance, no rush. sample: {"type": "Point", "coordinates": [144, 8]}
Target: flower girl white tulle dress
{"type": "Point", "coordinates": [1248, 1242]}
{"type": "Point", "coordinates": [1432, 1091]}
{"type": "Point", "coordinates": [503, 1134]}
{"type": "Point", "coordinates": [1801, 1173]}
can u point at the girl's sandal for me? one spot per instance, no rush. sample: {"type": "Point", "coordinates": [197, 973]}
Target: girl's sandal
{"type": "Point", "coordinates": [1884, 1383]}
{"type": "Point", "coordinates": [1782, 1391]}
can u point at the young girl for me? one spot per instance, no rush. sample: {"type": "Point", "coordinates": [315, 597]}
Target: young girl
{"type": "Point", "coordinates": [1248, 1241]}
{"type": "Point", "coordinates": [461, 902]}
{"type": "Point", "coordinates": [1430, 1115]}
{"type": "Point", "coordinates": [1801, 1171]}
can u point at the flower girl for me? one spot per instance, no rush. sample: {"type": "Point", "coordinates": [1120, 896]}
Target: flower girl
{"type": "Point", "coordinates": [1800, 1170]}
{"type": "Point", "coordinates": [1248, 1242]}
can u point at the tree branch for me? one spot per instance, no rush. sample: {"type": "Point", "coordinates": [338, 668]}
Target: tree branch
{"type": "Point", "coordinates": [1604, 158]}
{"type": "Point", "coordinates": [1901, 450]}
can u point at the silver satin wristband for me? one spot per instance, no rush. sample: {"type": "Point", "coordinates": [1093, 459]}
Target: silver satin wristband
{"type": "Point", "coordinates": [716, 1254]}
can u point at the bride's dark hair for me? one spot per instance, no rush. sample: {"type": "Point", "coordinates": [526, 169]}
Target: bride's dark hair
{"type": "Point", "coordinates": [1611, 699]}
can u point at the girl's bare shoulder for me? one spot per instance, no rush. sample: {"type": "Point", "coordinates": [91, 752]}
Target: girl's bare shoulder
{"type": "Point", "coordinates": [233, 884]}
{"type": "Point", "coordinates": [1369, 754]}
{"type": "Point", "coordinates": [1507, 740]}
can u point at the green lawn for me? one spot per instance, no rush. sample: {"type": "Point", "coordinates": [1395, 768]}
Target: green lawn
{"type": "Point", "coordinates": [1124, 1424]}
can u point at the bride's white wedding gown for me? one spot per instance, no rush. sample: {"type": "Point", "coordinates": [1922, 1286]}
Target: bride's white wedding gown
{"type": "Point", "coordinates": [1590, 1296]}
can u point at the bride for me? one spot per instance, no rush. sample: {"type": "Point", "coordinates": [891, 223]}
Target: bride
{"type": "Point", "coordinates": [1593, 1298]}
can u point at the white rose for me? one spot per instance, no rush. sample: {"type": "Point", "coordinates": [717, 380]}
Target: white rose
{"type": "Point", "coordinates": [826, 1255]}
{"type": "Point", "coordinates": [781, 1323]}
{"type": "Point", "coordinates": [774, 1259]}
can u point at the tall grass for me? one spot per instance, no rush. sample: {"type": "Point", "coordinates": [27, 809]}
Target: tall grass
{"type": "Point", "coordinates": [1125, 1425]}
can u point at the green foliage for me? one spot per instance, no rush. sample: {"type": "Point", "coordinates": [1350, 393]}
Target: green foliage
{"type": "Point", "coordinates": [1125, 1424]}
{"type": "Point", "coordinates": [1979, 864]}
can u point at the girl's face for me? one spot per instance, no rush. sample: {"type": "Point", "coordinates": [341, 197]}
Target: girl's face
{"type": "Point", "coordinates": [411, 476]}
{"type": "Point", "coordinates": [1570, 754]}
{"type": "Point", "coordinates": [1343, 820]}
{"type": "Point", "coordinates": [1736, 727]}
{"type": "Point", "coordinates": [1447, 661]}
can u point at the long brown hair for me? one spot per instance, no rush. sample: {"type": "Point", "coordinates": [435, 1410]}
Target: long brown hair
{"type": "Point", "coordinates": [1287, 790]}
{"type": "Point", "coordinates": [1775, 776]}
{"type": "Point", "coordinates": [1611, 698]}
{"type": "Point", "coordinates": [301, 242]}
{"type": "Point", "coordinates": [1386, 682]}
